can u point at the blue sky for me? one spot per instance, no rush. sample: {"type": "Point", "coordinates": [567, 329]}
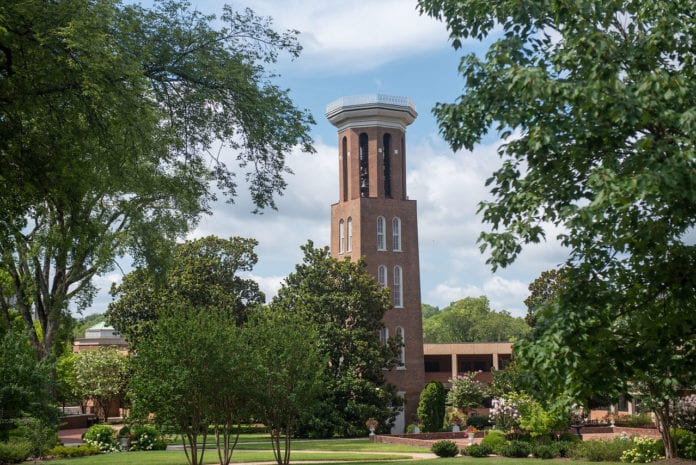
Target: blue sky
{"type": "Point", "coordinates": [357, 47]}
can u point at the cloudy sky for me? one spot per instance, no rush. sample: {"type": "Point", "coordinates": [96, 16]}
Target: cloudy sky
{"type": "Point", "coordinates": [358, 47]}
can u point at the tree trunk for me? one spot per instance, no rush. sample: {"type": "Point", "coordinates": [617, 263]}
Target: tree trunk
{"type": "Point", "coordinates": [663, 416]}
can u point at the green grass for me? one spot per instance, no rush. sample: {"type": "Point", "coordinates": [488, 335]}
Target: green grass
{"type": "Point", "coordinates": [178, 458]}
{"type": "Point", "coordinates": [263, 442]}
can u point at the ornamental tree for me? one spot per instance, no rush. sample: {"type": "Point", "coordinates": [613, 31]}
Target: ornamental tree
{"type": "Point", "coordinates": [594, 103]}
{"type": "Point", "coordinates": [113, 117]}
{"type": "Point", "coordinates": [466, 392]}
{"type": "Point", "coordinates": [102, 375]}
{"type": "Point", "coordinates": [431, 406]}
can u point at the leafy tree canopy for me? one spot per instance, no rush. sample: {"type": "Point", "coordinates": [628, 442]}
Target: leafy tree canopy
{"type": "Point", "coordinates": [102, 374]}
{"type": "Point", "coordinates": [112, 119]}
{"type": "Point", "coordinates": [346, 305]}
{"type": "Point", "coordinates": [204, 273]}
{"type": "Point", "coordinates": [594, 100]}
{"type": "Point", "coordinates": [471, 320]}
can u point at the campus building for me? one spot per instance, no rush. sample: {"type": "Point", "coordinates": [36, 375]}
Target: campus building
{"type": "Point", "coordinates": [375, 219]}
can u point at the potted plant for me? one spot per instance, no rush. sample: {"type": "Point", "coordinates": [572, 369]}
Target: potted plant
{"type": "Point", "coordinates": [371, 424]}
{"type": "Point", "coordinates": [471, 433]}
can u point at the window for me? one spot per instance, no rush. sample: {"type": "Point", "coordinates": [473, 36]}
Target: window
{"type": "Point", "coordinates": [386, 143]}
{"type": "Point", "coordinates": [384, 336]}
{"type": "Point", "coordinates": [350, 235]}
{"type": "Point", "coordinates": [382, 275]}
{"type": "Point", "coordinates": [341, 237]}
{"type": "Point", "coordinates": [364, 166]}
{"type": "Point", "coordinates": [397, 291]}
{"type": "Point", "coordinates": [396, 234]}
{"type": "Point", "coordinates": [402, 352]}
{"type": "Point", "coordinates": [344, 168]}
{"type": "Point", "coordinates": [381, 243]}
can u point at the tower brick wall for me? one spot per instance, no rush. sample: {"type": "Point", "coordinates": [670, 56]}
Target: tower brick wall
{"type": "Point", "coordinates": [372, 184]}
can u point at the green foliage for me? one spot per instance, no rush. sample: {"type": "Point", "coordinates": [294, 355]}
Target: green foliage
{"type": "Point", "coordinates": [346, 305]}
{"type": "Point", "coordinates": [565, 447]}
{"type": "Point", "coordinates": [477, 450]}
{"type": "Point", "coordinates": [103, 375]}
{"type": "Point", "coordinates": [495, 440]}
{"type": "Point", "coordinates": [466, 392]}
{"type": "Point", "coordinates": [83, 450]}
{"type": "Point", "coordinates": [193, 371]}
{"type": "Point", "coordinates": [289, 375]}
{"type": "Point", "coordinates": [478, 421]}
{"type": "Point", "coordinates": [601, 450]}
{"type": "Point", "coordinates": [25, 382]}
{"type": "Point", "coordinates": [204, 273]}
{"type": "Point", "coordinates": [67, 387]}
{"type": "Point", "coordinates": [15, 451]}
{"type": "Point", "coordinates": [685, 442]}
{"type": "Point", "coordinates": [540, 421]}
{"type": "Point", "coordinates": [40, 436]}
{"type": "Point", "coordinates": [546, 451]}
{"type": "Point", "coordinates": [635, 420]}
{"type": "Point", "coordinates": [110, 112]}
{"type": "Point", "coordinates": [543, 291]}
{"type": "Point", "coordinates": [103, 437]}
{"type": "Point", "coordinates": [520, 449]}
{"type": "Point", "coordinates": [472, 320]}
{"type": "Point", "coordinates": [431, 406]}
{"type": "Point", "coordinates": [644, 450]}
{"type": "Point", "coordinates": [143, 437]}
{"type": "Point", "coordinates": [594, 103]}
{"type": "Point", "coordinates": [445, 448]}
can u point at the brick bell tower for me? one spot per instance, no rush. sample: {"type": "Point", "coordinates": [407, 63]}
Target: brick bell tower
{"type": "Point", "coordinates": [375, 219]}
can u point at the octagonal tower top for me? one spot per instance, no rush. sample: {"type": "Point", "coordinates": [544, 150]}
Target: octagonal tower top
{"type": "Point", "coordinates": [371, 110]}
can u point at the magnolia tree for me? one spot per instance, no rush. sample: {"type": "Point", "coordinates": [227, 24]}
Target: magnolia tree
{"type": "Point", "coordinates": [504, 414]}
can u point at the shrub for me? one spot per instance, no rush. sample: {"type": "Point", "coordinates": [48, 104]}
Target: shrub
{"type": "Point", "coordinates": [124, 432]}
{"type": "Point", "coordinates": [685, 441]}
{"type": "Point", "coordinates": [477, 450]}
{"type": "Point", "coordinates": [685, 413]}
{"type": "Point", "coordinates": [103, 437]}
{"type": "Point", "coordinates": [518, 449]}
{"type": "Point", "coordinates": [479, 421]}
{"type": "Point", "coordinates": [143, 437]}
{"type": "Point", "coordinates": [644, 450]}
{"type": "Point", "coordinates": [445, 448]}
{"type": "Point", "coordinates": [495, 439]}
{"type": "Point", "coordinates": [564, 448]}
{"type": "Point", "coordinates": [15, 451]}
{"type": "Point", "coordinates": [546, 451]}
{"type": "Point", "coordinates": [431, 407]}
{"type": "Point", "coordinates": [83, 450]}
{"type": "Point", "coordinates": [601, 450]}
{"type": "Point", "coordinates": [638, 420]}
{"type": "Point", "coordinates": [40, 435]}
{"type": "Point", "coordinates": [569, 437]}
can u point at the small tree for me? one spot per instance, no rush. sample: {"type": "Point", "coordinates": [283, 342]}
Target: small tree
{"type": "Point", "coordinates": [466, 393]}
{"type": "Point", "coordinates": [431, 407]}
{"type": "Point", "coordinates": [288, 380]}
{"type": "Point", "coordinates": [102, 375]}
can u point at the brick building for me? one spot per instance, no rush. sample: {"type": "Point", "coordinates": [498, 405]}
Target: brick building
{"type": "Point", "coordinates": [375, 219]}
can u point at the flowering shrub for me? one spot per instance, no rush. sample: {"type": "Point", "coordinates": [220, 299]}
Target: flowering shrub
{"type": "Point", "coordinates": [504, 414]}
{"type": "Point", "coordinates": [103, 437]}
{"type": "Point", "coordinates": [144, 437]}
{"type": "Point", "coordinates": [644, 450]}
{"type": "Point", "coordinates": [466, 393]}
{"type": "Point", "coordinates": [685, 413]}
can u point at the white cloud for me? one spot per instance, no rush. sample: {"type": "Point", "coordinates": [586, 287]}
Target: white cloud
{"type": "Point", "coordinates": [355, 35]}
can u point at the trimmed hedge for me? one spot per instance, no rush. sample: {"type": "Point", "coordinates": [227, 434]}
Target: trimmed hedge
{"type": "Point", "coordinates": [519, 449]}
{"type": "Point", "coordinates": [83, 450]}
{"type": "Point", "coordinates": [477, 450]}
{"type": "Point", "coordinates": [445, 448]}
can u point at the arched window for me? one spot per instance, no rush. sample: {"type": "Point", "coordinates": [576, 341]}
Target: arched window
{"type": "Point", "coordinates": [344, 168]}
{"type": "Point", "coordinates": [341, 237]}
{"type": "Point", "coordinates": [401, 337]}
{"type": "Point", "coordinates": [396, 234]}
{"type": "Point", "coordinates": [381, 242]}
{"type": "Point", "coordinates": [350, 235]}
{"type": "Point", "coordinates": [382, 275]}
{"type": "Point", "coordinates": [364, 166]}
{"type": "Point", "coordinates": [386, 143]}
{"type": "Point", "coordinates": [397, 288]}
